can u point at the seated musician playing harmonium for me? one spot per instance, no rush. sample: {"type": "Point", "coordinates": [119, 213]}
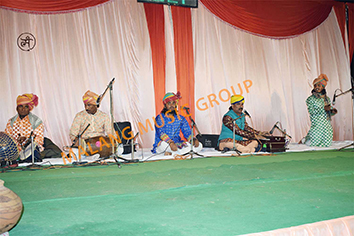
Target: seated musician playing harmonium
{"type": "Point", "coordinates": [245, 136]}
{"type": "Point", "coordinates": [96, 123]}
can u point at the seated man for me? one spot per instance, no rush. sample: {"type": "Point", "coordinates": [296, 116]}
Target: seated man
{"type": "Point", "coordinates": [98, 121]}
{"type": "Point", "coordinates": [23, 124]}
{"type": "Point", "coordinates": [245, 136]}
{"type": "Point", "coordinates": [168, 125]}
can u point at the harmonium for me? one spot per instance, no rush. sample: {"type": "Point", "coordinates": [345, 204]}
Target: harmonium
{"type": "Point", "coordinates": [274, 144]}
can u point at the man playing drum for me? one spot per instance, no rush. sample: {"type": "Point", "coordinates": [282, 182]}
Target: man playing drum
{"type": "Point", "coordinates": [22, 125]}
{"type": "Point", "coordinates": [98, 121]}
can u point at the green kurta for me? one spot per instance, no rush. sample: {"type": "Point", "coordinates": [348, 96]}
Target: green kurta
{"type": "Point", "coordinates": [321, 131]}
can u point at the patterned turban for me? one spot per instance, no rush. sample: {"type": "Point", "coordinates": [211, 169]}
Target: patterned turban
{"type": "Point", "coordinates": [322, 79]}
{"type": "Point", "coordinates": [90, 98]}
{"type": "Point", "coordinates": [27, 99]}
{"type": "Point", "coordinates": [171, 97]}
{"type": "Point", "coordinates": [236, 99]}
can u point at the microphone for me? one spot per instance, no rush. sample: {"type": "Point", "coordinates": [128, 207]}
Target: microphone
{"type": "Point", "coordinates": [185, 108]}
{"type": "Point", "coordinates": [98, 101]}
{"type": "Point", "coordinates": [272, 130]}
{"type": "Point", "coordinates": [334, 99]}
{"type": "Point", "coordinates": [247, 114]}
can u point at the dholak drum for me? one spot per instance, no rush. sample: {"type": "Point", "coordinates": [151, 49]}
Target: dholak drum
{"type": "Point", "coordinates": [101, 145]}
{"type": "Point", "coordinates": [8, 148]}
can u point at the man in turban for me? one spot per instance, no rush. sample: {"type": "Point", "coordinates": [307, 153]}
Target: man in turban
{"type": "Point", "coordinates": [321, 111]}
{"type": "Point", "coordinates": [24, 123]}
{"type": "Point", "coordinates": [98, 121]}
{"type": "Point", "coordinates": [245, 136]}
{"type": "Point", "coordinates": [169, 123]}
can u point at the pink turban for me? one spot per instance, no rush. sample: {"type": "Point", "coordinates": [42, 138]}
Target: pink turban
{"type": "Point", "coordinates": [27, 99]}
{"type": "Point", "coordinates": [90, 98]}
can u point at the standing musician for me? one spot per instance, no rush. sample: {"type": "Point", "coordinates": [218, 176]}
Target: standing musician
{"type": "Point", "coordinates": [22, 125]}
{"type": "Point", "coordinates": [320, 111]}
{"type": "Point", "coordinates": [169, 124]}
{"type": "Point", "coordinates": [245, 136]}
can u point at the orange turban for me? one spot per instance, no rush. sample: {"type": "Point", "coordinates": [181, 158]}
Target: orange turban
{"type": "Point", "coordinates": [27, 99]}
{"type": "Point", "coordinates": [322, 78]}
{"type": "Point", "coordinates": [90, 98]}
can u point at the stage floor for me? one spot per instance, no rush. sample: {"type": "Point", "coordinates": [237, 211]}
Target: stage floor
{"type": "Point", "coordinates": [220, 195]}
{"type": "Point", "coordinates": [145, 154]}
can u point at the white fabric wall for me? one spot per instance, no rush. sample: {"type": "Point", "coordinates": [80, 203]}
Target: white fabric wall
{"type": "Point", "coordinates": [76, 52]}
{"type": "Point", "coordinates": [85, 50]}
{"type": "Point", "coordinates": [281, 72]}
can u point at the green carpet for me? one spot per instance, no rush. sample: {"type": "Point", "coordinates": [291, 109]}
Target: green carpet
{"type": "Point", "coordinates": [209, 196]}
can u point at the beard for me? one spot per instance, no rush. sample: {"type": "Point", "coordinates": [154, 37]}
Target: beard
{"type": "Point", "coordinates": [165, 110]}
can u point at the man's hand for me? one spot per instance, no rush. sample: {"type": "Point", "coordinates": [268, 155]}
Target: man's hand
{"type": "Point", "coordinates": [21, 139]}
{"type": "Point", "coordinates": [173, 146]}
{"type": "Point", "coordinates": [195, 142]}
{"type": "Point", "coordinates": [327, 107]}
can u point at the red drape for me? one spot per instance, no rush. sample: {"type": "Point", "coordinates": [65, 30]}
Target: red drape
{"type": "Point", "coordinates": [340, 9]}
{"type": "Point", "coordinates": [351, 29]}
{"type": "Point", "coordinates": [156, 25]}
{"type": "Point", "coordinates": [274, 18]}
{"type": "Point", "coordinates": [49, 6]}
{"type": "Point", "coordinates": [184, 55]}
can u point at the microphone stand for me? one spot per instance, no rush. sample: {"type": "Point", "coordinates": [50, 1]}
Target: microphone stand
{"type": "Point", "coordinates": [282, 131]}
{"type": "Point", "coordinates": [32, 153]}
{"type": "Point", "coordinates": [113, 155]}
{"type": "Point", "coordinates": [193, 124]}
{"type": "Point", "coordinates": [342, 93]}
{"type": "Point", "coordinates": [234, 135]}
{"type": "Point", "coordinates": [78, 137]}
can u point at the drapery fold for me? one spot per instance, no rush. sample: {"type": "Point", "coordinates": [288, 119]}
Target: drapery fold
{"type": "Point", "coordinates": [184, 56]}
{"type": "Point", "coordinates": [156, 25]}
{"type": "Point", "coordinates": [275, 18]}
{"type": "Point", "coordinates": [52, 6]}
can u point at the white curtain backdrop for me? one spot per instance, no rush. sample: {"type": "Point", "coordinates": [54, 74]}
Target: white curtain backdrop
{"type": "Point", "coordinates": [85, 50]}
{"type": "Point", "coordinates": [281, 73]}
{"type": "Point", "coordinates": [76, 52]}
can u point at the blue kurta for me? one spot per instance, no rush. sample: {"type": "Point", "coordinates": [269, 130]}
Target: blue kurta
{"type": "Point", "coordinates": [169, 127]}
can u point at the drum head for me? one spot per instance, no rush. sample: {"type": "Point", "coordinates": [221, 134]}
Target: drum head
{"type": "Point", "coordinates": [8, 148]}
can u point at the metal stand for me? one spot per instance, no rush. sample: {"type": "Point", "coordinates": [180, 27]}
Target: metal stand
{"type": "Point", "coordinates": [193, 124]}
{"type": "Point", "coordinates": [113, 155]}
{"type": "Point", "coordinates": [352, 144]}
{"type": "Point", "coordinates": [32, 153]}
{"type": "Point", "coordinates": [337, 95]}
{"type": "Point", "coordinates": [78, 138]}
{"type": "Point", "coordinates": [234, 136]}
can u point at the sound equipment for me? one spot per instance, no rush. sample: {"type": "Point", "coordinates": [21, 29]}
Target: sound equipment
{"type": "Point", "coordinates": [208, 140]}
{"type": "Point", "coordinates": [274, 143]}
{"type": "Point", "coordinates": [8, 148]}
{"type": "Point", "coordinates": [124, 131]}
